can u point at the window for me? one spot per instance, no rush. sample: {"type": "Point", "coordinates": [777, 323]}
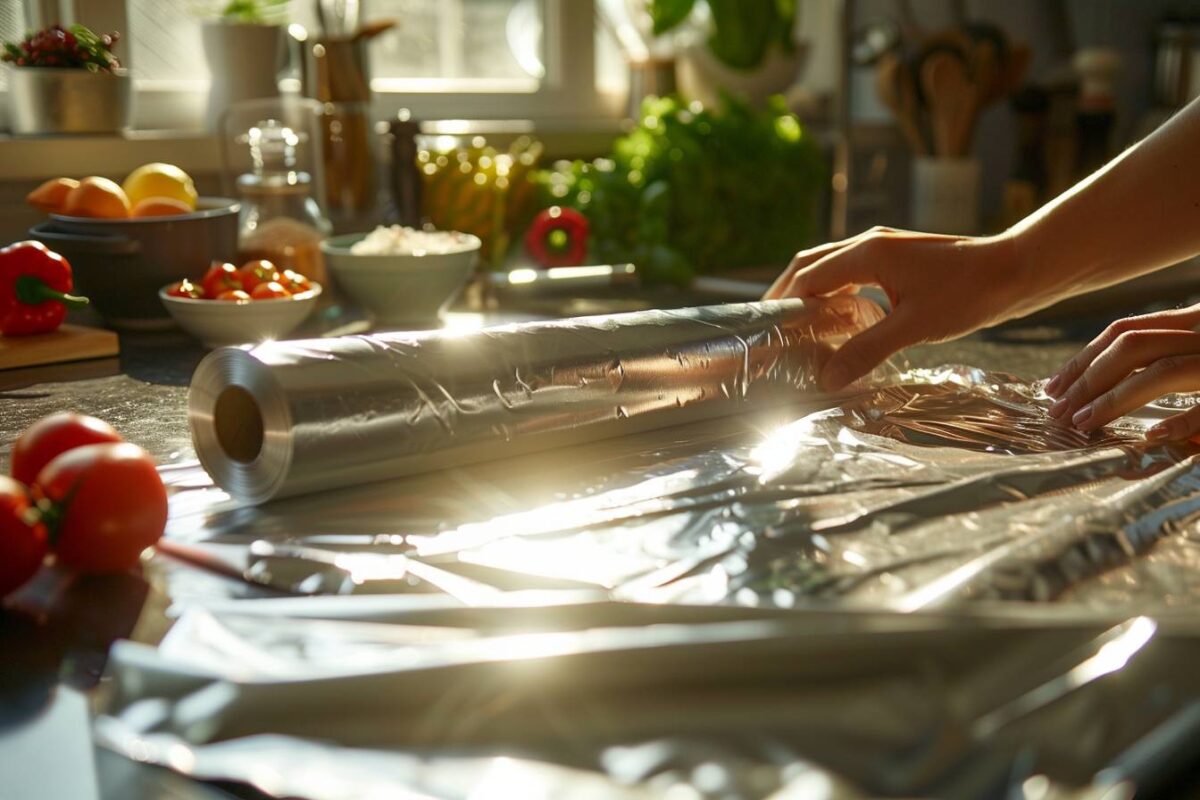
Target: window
{"type": "Point", "coordinates": [483, 59]}
{"type": "Point", "coordinates": [12, 27]}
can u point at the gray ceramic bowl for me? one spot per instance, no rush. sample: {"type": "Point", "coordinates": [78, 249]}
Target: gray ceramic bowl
{"type": "Point", "coordinates": [120, 264]}
{"type": "Point", "coordinates": [400, 290]}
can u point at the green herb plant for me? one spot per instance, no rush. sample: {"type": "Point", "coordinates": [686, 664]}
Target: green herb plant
{"type": "Point", "coordinates": [695, 190]}
{"type": "Point", "coordinates": [743, 31]}
{"type": "Point", "coordinates": [254, 12]}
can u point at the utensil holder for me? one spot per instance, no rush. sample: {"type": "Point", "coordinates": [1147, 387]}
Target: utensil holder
{"type": "Point", "coordinates": [945, 195]}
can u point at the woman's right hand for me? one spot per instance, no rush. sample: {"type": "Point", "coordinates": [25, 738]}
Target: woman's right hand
{"type": "Point", "coordinates": [940, 288]}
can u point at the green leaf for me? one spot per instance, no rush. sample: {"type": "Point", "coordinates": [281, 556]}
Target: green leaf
{"type": "Point", "coordinates": [669, 14]}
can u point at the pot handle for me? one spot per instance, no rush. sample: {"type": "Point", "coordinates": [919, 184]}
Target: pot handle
{"type": "Point", "coordinates": [105, 244]}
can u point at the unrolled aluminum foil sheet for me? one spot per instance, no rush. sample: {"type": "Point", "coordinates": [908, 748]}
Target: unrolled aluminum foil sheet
{"type": "Point", "coordinates": [807, 600]}
{"type": "Point", "coordinates": [286, 418]}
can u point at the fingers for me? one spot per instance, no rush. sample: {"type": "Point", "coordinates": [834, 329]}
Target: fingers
{"type": "Point", "coordinates": [1068, 373]}
{"type": "Point", "coordinates": [1177, 428]}
{"type": "Point", "coordinates": [802, 260]}
{"type": "Point", "coordinates": [865, 351]}
{"type": "Point", "coordinates": [1171, 374]}
{"type": "Point", "coordinates": [806, 258]}
{"type": "Point", "coordinates": [855, 264]}
{"type": "Point", "coordinates": [1129, 351]}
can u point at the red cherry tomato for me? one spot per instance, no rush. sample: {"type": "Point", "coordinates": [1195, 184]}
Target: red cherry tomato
{"type": "Point", "coordinates": [186, 288]}
{"type": "Point", "coordinates": [235, 296]}
{"type": "Point", "coordinates": [255, 272]}
{"type": "Point", "coordinates": [295, 283]}
{"type": "Point", "coordinates": [269, 291]}
{"type": "Point", "coordinates": [107, 506]}
{"type": "Point", "coordinates": [46, 439]}
{"type": "Point", "coordinates": [221, 278]}
{"type": "Point", "coordinates": [23, 542]}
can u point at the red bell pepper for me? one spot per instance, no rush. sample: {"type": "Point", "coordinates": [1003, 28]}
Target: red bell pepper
{"type": "Point", "coordinates": [35, 289]}
{"type": "Point", "coordinates": [558, 237]}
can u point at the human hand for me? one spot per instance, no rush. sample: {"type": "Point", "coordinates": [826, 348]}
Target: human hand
{"type": "Point", "coordinates": [940, 287]}
{"type": "Point", "coordinates": [1133, 362]}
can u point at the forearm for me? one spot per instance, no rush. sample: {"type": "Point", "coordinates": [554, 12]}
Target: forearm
{"type": "Point", "coordinates": [1141, 212]}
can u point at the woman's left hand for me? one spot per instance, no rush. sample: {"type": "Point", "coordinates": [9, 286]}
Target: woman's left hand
{"type": "Point", "coordinates": [1133, 362]}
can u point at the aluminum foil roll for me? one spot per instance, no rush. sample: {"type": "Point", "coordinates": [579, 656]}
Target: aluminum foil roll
{"type": "Point", "coordinates": [287, 418]}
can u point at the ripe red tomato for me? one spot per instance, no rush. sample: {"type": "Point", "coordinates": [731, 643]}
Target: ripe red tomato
{"type": "Point", "coordinates": [108, 505]}
{"type": "Point", "coordinates": [50, 436]}
{"type": "Point", "coordinates": [23, 542]}
{"type": "Point", "coordinates": [221, 278]}
{"type": "Point", "coordinates": [234, 295]}
{"type": "Point", "coordinates": [294, 282]}
{"type": "Point", "coordinates": [186, 288]}
{"type": "Point", "coordinates": [255, 272]}
{"type": "Point", "coordinates": [269, 291]}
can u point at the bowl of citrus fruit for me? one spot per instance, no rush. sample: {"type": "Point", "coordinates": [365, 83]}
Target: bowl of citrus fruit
{"type": "Point", "coordinates": [125, 240]}
{"type": "Point", "coordinates": [252, 303]}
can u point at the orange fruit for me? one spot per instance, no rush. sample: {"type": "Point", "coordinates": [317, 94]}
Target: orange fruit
{"type": "Point", "coordinates": [97, 197]}
{"type": "Point", "coordinates": [160, 207]}
{"type": "Point", "coordinates": [51, 196]}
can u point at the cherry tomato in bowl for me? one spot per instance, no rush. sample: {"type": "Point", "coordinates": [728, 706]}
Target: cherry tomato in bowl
{"type": "Point", "coordinates": [51, 436]}
{"type": "Point", "coordinates": [234, 296]}
{"type": "Point", "coordinates": [256, 272]}
{"type": "Point", "coordinates": [295, 283]}
{"type": "Point", "coordinates": [23, 541]}
{"type": "Point", "coordinates": [107, 504]}
{"type": "Point", "coordinates": [221, 278]}
{"type": "Point", "coordinates": [269, 291]}
{"type": "Point", "coordinates": [186, 288]}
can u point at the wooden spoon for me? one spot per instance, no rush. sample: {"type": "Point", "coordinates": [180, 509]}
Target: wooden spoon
{"type": "Point", "coordinates": [952, 101]}
{"type": "Point", "coordinates": [897, 91]}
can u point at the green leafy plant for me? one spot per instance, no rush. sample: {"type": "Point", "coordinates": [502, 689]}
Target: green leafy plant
{"type": "Point", "coordinates": [254, 12]}
{"type": "Point", "coordinates": [742, 30]}
{"type": "Point", "coordinates": [695, 190]}
{"type": "Point", "coordinates": [76, 47]}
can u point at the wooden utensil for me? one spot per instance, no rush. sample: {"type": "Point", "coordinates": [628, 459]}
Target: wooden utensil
{"type": "Point", "coordinates": [372, 29]}
{"type": "Point", "coordinates": [952, 101]}
{"type": "Point", "coordinates": [898, 92]}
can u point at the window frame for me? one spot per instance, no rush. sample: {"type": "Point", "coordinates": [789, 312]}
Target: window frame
{"type": "Point", "coordinates": [568, 90]}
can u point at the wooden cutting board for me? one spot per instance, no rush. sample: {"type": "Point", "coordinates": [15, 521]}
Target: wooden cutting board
{"type": "Point", "coordinates": [68, 343]}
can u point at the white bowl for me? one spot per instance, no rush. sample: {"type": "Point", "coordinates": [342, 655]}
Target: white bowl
{"type": "Point", "coordinates": [222, 322]}
{"type": "Point", "coordinates": [401, 290]}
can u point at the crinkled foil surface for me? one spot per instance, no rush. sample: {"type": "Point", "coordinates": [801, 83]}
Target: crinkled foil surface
{"type": "Point", "coordinates": [924, 588]}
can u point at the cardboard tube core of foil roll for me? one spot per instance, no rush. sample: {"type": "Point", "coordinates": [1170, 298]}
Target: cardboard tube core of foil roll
{"type": "Point", "coordinates": [238, 424]}
{"type": "Point", "coordinates": [287, 418]}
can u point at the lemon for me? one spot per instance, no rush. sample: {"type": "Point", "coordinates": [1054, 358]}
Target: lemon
{"type": "Point", "coordinates": [160, 180]}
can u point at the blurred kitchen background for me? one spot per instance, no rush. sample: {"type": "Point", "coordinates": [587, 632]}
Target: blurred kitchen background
{"type": "Point", "coordinates": [478, 114]}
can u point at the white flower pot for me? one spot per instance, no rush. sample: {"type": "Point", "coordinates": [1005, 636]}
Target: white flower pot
{"type": "Point", "coordinates": [243, 61]}
{"type": "Point", "coordinates": [702, 76]}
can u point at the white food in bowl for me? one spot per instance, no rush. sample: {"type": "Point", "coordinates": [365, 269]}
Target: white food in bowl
{"type": "Point", "coordinates": [398, 240]}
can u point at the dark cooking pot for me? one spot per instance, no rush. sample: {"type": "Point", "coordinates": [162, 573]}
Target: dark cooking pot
{"type": "Point", "coordinates": [120, 264]}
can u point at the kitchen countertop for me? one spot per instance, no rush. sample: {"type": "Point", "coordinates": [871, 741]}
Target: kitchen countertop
{"type": "Point", "coordinates": [59, 661]}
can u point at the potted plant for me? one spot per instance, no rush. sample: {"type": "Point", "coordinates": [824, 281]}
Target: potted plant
{"type": "Point", "coordinates": [744, 47]}
{"type": "Point", "coordinates": [244, 48]}
{"type": "Point", "coordinates": [66, 80]}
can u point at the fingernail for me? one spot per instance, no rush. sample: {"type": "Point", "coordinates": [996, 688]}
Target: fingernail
{"type": "Point", "coordinates": [1081, 416]}
{"type": "Point", "coordinates": [1057, 408]}
{"type": "Point", "coordinates": [1158, 432]}
{"type": "Point", "coordinates": [1054, 385]}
